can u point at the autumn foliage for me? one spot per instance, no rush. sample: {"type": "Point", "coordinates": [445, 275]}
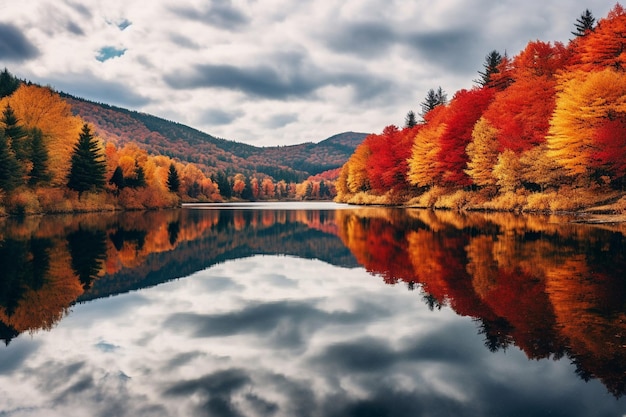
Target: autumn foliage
{"type": "Point", "coordinates": [548, 126]}
{"type": "Point", "coordinates": [552, 290]}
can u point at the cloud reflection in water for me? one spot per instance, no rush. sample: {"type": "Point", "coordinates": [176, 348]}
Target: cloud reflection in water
{"type": "Point", "coordinates": [279, 336]}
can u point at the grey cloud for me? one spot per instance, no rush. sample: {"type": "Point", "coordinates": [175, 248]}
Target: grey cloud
{"type": "Point", "coordinates": [13, 356]}
{"type": "Point", "coordinates": [221, 14]}
{"type": "Point", "coordinates": [219, 383]}
{"type": "Point", "coordinates": [220, 117]}
{"type": "Point", "coordinates": [184, 41]}
{"type": "Point", "coordinates": [183, 358]}
{"type": "Point", "coordinates": [285, 324]}
{"type": "Point", "coordinates": [13, 44]}
{"type": "Point", "coordinates": [292, 77]}
{"type": "Point", "coordinates": [367, 39]}
{"type": "Point", "coordinates": [261, 406]}
{"type": "Point", "coordinates": [75, 29]}
{"type": "Point", "coordinates": [361, 355]}
{"type": "Point", "coordinates": [110, 92]}
{"type": "Point", "coordinates": [261, 81]}
{"type": "Point", "coordinates": [215, 390]}
{"type": "Point", "coordinates": [277, 121]}
{"type": "Point", "coordinates": [84, 383]}
{"type": "Point", "coordinates": [72, 385]}
{"type": "Point", "coordinates": [80, 8]}
{"type": "Point", "coordinates": [454, 50]}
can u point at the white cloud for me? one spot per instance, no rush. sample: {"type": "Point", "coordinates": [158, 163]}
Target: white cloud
{"type": "Point", "coordinates": [228, 67]}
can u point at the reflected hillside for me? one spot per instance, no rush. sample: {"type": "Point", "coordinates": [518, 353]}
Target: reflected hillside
{"type": "Point", "coordinates": [49, 263]}
{"type": "Point", "coordinates": [551, 288]}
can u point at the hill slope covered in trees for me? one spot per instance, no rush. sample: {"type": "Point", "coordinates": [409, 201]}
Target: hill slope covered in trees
{"type": "Point", "coordinates": [158, 136]}
{"type": "Point", "coordinates": [542, 131]}
{"type": "Point", "coordinates": [63, 154]}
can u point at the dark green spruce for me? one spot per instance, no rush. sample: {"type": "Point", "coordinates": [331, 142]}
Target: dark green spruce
{"type": "Point", "coordinates": [39, 157]}
{"type": "Point", "coordinates": [88, 167]}
{"type": "Point", "coordinates": [173, 180]}
{"type": "Point", "coordinates": [584, 24]}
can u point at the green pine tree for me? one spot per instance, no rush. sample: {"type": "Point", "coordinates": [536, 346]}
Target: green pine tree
{"type": "Point", "coordinates": [15, 134]}
{"type": "Point", "coordinates": [88, 167]}
{"type": "Point", "coordinates": [39, 158]}
{"type": "Point", "coordinates": [247, 194]}
{"type": "Point", "coordinates": [8, 83]}
{"type": "Point", "coordinates": [584, 24]}
{"type": "Point", "coordinates": [433, 99]}
{"type": "Point", "coordinates": [492, 61]}
{"type": "Point", "coordinates": [173, 181]}
{"type": "Point", "coordinates": [226, 189]}
{"type": "Point", "coordinates": [118, 180]}
{"type": "Point", "coordinates": [410, 120]}
{"type": "Point", "coordinates": [10, 169]}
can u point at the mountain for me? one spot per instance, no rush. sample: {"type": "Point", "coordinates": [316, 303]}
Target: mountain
{"type": "Point", "coordinates": [158, 136]}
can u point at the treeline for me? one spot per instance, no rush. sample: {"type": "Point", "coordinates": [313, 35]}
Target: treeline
{"type": "Point", "coordinates": [542, 131]}
{"type": "Point", "coordinates": [52, 161]}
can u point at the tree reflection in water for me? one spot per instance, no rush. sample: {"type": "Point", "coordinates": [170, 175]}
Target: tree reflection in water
{"type": "Point", "coordinates": [549, 287]}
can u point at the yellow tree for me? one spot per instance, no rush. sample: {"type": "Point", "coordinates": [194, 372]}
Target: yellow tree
{"type": "Point", "coordinates": [507, 171]}
{"type": "Point", "coordinates": [342, 184]}
{"type": "Point", "coordinates": [483, 153]}
{"type": "Point", "coordinates": [585, 100]}
{"type": "Point", "coordinates": [43, 108]}
{"type": "Point", "coordinates": [538, 168]}
{"type": "Point", "coordinates": [357, 177]}
{"type": "Point", "coordinates": [423, 163]}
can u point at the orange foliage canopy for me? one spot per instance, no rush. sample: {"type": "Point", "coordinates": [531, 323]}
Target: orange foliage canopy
{"type": "Point", "coordinates": [43, 108]}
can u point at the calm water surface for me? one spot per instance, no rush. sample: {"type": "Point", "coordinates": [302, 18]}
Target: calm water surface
{"type": "Point", "coordinates": [311, 310]}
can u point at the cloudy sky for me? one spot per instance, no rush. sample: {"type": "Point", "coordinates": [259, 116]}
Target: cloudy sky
{"type": "Point", "coordinates": [271, 72]}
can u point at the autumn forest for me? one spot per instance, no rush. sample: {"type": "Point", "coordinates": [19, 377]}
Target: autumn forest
{"type": "Point", "coordinates": [542, 131]}
{"type": "Point", "coordinates": [60, 154]}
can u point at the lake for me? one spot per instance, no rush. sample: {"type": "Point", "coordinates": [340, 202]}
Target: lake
{"type": "Point", "coordinates": [311, 309]}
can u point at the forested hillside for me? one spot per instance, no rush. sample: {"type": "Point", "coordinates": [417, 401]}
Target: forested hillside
{"type": "Point", "coordinates": [541, 131]}
{"type": "Point", "coordinates": [62, 154]}
{"type": "Point", "coordinates": [161, 137]}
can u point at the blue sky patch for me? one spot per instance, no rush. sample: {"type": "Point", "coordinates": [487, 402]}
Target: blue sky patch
{"type": "Point", "coordinates": [108, 52]}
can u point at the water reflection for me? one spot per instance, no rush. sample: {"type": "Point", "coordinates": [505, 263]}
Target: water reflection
{"type": "Point", "coordinates": [550, 288]}
{"type": "Point", "coordinates": [49, 263]}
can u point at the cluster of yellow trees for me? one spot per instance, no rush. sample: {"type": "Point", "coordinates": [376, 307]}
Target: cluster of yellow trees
{"type": "Point", "coordinates": [544, 132]}
{"type": "Point", "coordinates": [41, 108]}
{"type": "Point", "coordinates": [133, 179]}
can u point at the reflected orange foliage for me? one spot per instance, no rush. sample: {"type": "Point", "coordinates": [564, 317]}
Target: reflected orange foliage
{"type": "Point", "coordinates": [529, 280]}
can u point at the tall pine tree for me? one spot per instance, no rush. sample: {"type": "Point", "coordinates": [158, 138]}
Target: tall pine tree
{"type": "Point", "coordinates": [584, 24]}
{"type": "Point", "coordinates": [15, 134]}
{"type": "Point", "coordinates": [492, 62]}
{"type": "Point", "coordinates": [8, 83]}
{"type": "Point", "coordinates": [432, 100]}
{"type": "Point", "coordinates": [88, 167]}
{"type": "Point", "coordinates": [10, 170]}
{"type": "Point", "coordinates": [39, 158]}
{"type": "Point", "coordinates": [173, 181]}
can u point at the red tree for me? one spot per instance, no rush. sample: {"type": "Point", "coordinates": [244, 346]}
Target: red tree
{"type": "Point", "coordinates": [464, 110]}
{"type": "Point", "coordinates": [611, 147]}
{"type": "Point", "coordinates": [388, 167]}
